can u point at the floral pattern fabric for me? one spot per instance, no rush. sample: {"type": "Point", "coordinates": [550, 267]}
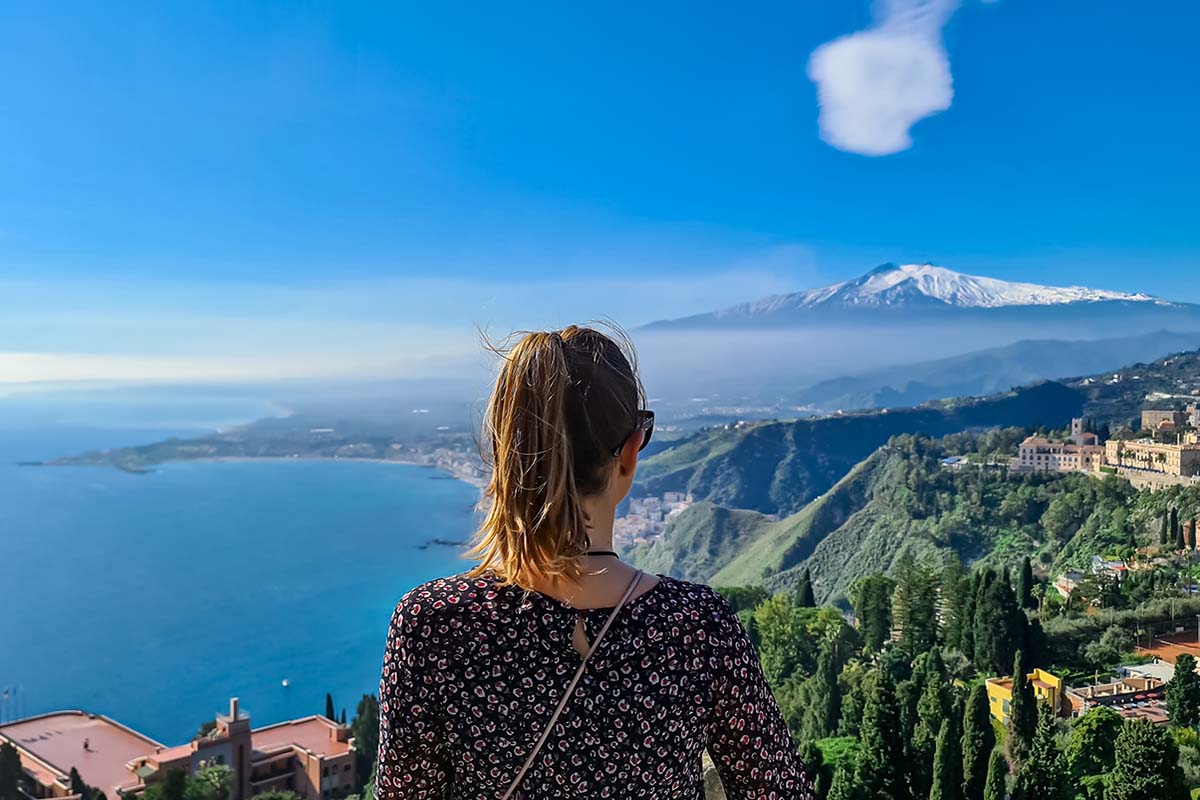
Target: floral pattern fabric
{"type": "Point", "coordinates": [473, 671]}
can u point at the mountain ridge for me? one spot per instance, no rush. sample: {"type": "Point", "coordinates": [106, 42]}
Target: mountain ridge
{"type": "Point", "coordinates": [927, 288]}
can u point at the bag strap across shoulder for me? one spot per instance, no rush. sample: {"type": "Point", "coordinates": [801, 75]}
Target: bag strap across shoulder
{"type": "Point", "coordinates": [633, 584]}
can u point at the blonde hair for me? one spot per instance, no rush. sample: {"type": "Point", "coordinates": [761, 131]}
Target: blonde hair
{"type": "Point", "coordinates": [562, 402]}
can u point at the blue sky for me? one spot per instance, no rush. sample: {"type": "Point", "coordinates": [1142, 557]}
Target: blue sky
{"type": "Point", "coordinates": [198, 189]}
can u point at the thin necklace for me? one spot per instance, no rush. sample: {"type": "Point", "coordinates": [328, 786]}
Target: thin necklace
{"type": "Point", "coordinates": [601, 553]}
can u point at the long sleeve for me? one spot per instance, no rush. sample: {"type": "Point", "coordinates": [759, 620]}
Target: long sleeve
{"type": "Point", "coordinates": [412, 762]}
{"type": "Point", "coordinates": [747, 738]}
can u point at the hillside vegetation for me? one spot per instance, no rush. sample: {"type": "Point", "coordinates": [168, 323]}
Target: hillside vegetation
{"type": "Point", "coordinates": [778, 467]}
{"type": "Point", "coordinates": [901, 501]}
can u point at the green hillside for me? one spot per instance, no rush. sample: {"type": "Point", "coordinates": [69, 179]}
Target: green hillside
{"type": "Point", "coordinates": [778, 467]}
{"type": "Point", "coordinates": [903, 500]}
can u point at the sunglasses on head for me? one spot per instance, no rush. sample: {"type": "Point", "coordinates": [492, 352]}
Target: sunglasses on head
{"type": "Point", "coordinates": [645, 424]}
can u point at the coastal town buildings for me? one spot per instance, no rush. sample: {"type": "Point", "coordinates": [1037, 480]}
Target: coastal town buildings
{"type": "Point", "coordinates": [313, 756]}
{"type": "Point", "coordinates": [648, 517]}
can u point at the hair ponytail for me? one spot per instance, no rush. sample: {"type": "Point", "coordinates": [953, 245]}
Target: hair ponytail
{"type": "Point", "coordinates": [560, 403]}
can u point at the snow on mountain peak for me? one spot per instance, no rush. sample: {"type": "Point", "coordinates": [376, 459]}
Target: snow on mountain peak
{"type": "Point", "coordinates": [931, 285]}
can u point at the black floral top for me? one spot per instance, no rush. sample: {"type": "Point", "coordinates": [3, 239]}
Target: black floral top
{"type": "Point", "coordinates": [474, 670]}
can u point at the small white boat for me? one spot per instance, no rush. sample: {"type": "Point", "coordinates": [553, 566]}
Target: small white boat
{"type": "Point", "coordinates": [285, 683]}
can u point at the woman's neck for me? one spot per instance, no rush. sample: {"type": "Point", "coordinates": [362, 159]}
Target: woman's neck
{"type": "Point", "coordinates": [600, 518]}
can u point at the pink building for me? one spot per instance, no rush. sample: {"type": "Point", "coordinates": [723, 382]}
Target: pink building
{"type": "Point", "coordinates": [313, 757]}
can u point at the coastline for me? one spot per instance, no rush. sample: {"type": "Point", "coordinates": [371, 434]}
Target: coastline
{"type": "Point", "coordinates": [450, 472]}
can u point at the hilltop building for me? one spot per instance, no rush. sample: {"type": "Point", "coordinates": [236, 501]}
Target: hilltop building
{"type": "Point", "coordinates": [1151, 463]}
{"type": "Point", "coordinates": [1155, 420]}
{"type": "Point", "coordinates": [1082, 452]}
{"type": "Point", "coordinates": [1047, 688]}
{"type": "Point", "coordinates": [313, 756]}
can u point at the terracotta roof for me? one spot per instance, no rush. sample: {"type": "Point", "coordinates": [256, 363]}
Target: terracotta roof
{"type": "Point", "coordinates": [315, 734]}
{"type": "Point", "coordinates": [57, 739]}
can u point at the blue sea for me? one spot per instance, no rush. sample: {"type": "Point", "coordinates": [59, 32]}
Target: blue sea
{"type": "Point", "coordinates": [155, 598]}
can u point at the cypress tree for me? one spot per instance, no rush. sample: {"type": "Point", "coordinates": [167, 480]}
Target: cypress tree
{"type": "Point", "coordinates": [10, 772]}
{"type": "Point", "coordinates": [815, 768]}
{"type": "Point", "coordinates": [947, 765]}
{"type": "Point", "coordinates": [805, 597]}
{"type": "Point", "coordinates": [1022, 712]}
{"type": "Point", "coordinates": [1183, 694]}
{"type": "Point", "coordinates": [824, 712]}
{"type": "Point", "coordinates": [77, 785]}
{"type": "Point", "coordinates": [1165, 531]}
{"type": "Point", "coordinates": [1147, 765]}
{"type": "Point", "coordinates": [999, 627]}
{"type": "Point", "coordinates": [966, 633]}
{"type": "Point", "coordinates": [843, 787]}
{"type": "Point", "coordinates": [932, 712]}
{"type": "Point", "coordinates": [997, 775]}
{"type": "Point", "coordinates": [1043, 774]}
{"type": "Point", "coordinates": [1025, 584]}
{"type": "Point", "coordinates": [365, 730]}
{"type": "Point", "coordinates": [1176, 529]}
{"type": "Point", "coordinates": [330, 714]}
{"type": "Point", "coordinates": [978, 742]}
{"type": "Point", "coordinates": [879, 770]}
{"type": "Point", "coordinates": [955, 585]}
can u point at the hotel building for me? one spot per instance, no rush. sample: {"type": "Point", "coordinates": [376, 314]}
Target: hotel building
{"type": "Point", "coordinates": [313, 757]}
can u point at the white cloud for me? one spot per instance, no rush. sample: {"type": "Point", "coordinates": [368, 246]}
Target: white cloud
{"type": "Point", "coordinates": [874, 85]}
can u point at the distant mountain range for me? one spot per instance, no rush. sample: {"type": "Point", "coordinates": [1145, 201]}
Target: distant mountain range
{"type": "Point", "coordinates": [919, 289]}
{"type": "Point", "coordinates": [766, 351]}
{"type": "Point", "coordinates": [994, 369]}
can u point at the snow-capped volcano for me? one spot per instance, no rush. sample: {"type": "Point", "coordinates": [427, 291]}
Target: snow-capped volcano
{"type": "Point", "coordinates": [914, 293]}
{"type": "Point", "coordinates": [927, 284]}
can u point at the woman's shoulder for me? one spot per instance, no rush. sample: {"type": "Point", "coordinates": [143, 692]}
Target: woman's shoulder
{"type": "Point", "coordinates": [701, 600]}
{"type": "Point", "coordinates": [444, 598]}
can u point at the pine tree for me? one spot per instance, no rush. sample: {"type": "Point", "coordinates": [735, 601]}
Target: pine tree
{"type": "Point", "coordinates": [916, 605]}
{"type": "Point", "coordinates": [1043, 774]}
{"type": "Point", "coordinates": [10, 772]}
{"type": "Point", "coordinates": [1146, 765]}
{"type": "Point", "coordinates": [1025, 584]}
{"type": "Point", "coordinates": [822, 714]}
{"type": "Point", "coordinates": [979, 739]}
{"type": "Point", "coordinates": [330, 714]}
{"type": "Point", "coordinates": [947, 764]}
{"type": "Point", "coordinates": [996, 777]}
{"type": "Point", "coordinates": [1022, 712]}
{"type": "Point", "coordinates": [805, 597]}
{"type": "Point", "coordinates": [879, 770]}
{"type": "Point", "coordinates": [1183, 694]}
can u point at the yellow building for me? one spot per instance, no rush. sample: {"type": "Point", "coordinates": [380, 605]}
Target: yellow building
{"type": "Point", "coordinates": [1047, 688]}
